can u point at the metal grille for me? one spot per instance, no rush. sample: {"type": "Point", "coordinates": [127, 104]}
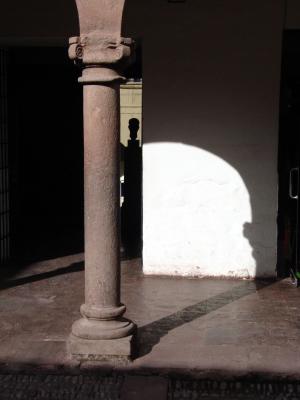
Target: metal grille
{"type": "Point", "coordinates": [4, 172]}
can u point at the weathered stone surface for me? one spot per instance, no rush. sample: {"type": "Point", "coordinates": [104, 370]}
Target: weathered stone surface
{"type": "Point", "coordinates": [104, 56]}
{"type": "Point", "coordinates": [102, 311]}
{"type": "Point", "coordinates": [101, 350]}
{"type": "Point", "coordinates": [102, 332]}
{"type": "Point", "coordinates": [100, 15]}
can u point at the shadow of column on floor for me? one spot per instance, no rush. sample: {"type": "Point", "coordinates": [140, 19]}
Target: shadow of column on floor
{"type": "Point", "coordinates": [149, 335]}
{"type": "Point", "coordinates": [7, 283]}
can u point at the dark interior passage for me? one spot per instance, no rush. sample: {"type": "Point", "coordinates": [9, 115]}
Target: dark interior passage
{"type": "Point", "coordinates": [45, 143]}
{"type": "Point", "coordinates": [46, 154]}
{"type": "Point", "coordinates": [289, 157]}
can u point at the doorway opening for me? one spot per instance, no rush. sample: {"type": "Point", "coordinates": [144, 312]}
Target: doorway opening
{"type": "Point", "coordinates": [45, 153]}
{"type": "Point", "coordinates": [131, 158]}
{"type": "Point", "coordinates": [45, 219]}
{"type": "Point", "coordinates": [289, 159]}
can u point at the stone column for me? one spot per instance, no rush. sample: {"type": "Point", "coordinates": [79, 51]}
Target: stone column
{"type": "Point", "coordinates": [102, 332]}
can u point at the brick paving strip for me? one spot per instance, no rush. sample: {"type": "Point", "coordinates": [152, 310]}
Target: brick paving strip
{"type": "Point", "coordinates": [56, 387]}
{"type": "Point", "coordinates": [124, 387]}
{"type": "Point", "coordinates": [230, 390]}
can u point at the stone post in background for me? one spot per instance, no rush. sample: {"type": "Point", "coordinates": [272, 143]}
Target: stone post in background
{"type": "Point", "coordinates": [132, 206]}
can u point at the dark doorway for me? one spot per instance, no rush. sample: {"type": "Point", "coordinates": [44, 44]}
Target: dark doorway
{"type": "Point", "coordinates": [46, 158]}
{"type": "Point", "coordinates": [289, 157]}
{"type": "Point", "coordinates": [45, 153]}
{"type": "Point", "coordinates": [131, 160]}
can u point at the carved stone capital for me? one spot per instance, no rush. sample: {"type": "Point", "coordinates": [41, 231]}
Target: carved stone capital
{"type": "Point", "coordinates": [102, 58]}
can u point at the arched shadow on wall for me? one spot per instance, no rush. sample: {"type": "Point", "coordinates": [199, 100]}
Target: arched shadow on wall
{"type": "Point", "coordinates": [228, 108]}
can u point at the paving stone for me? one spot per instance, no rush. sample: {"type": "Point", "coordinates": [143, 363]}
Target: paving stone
{"type": "Point", "coordinates": [144, 387]}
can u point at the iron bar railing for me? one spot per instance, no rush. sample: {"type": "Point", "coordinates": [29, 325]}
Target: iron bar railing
{"type": "Point", "coordinates": [4, 167]}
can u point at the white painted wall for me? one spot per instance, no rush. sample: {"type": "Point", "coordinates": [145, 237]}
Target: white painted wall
{"type": "Point", "coordinates": [201, 204]}
{"type": "Point", "coordinates": [211, 76]}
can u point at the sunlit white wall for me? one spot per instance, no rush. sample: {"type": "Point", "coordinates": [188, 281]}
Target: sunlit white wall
{"type": "Point", "coordinates": [196, 206]}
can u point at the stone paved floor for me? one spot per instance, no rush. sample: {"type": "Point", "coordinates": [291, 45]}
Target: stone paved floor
{"type": "Point", "coordinates": [205, 329]}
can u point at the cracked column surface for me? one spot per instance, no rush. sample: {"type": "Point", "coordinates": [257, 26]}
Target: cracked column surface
{"type": "Point", "coordinates": [102, 333]}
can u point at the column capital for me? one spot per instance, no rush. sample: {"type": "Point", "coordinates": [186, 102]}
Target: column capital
{"type": "Point", "coordinates": [102, 58]}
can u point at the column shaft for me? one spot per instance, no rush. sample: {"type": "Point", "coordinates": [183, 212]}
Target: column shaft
{"type": "Point", "coordinates": [102, 332]}
{"type": "Point", "coordinates": [101, 174]}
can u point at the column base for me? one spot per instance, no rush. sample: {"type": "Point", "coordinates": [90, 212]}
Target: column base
{"type": "Point", "coordinates": [120, 350]}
